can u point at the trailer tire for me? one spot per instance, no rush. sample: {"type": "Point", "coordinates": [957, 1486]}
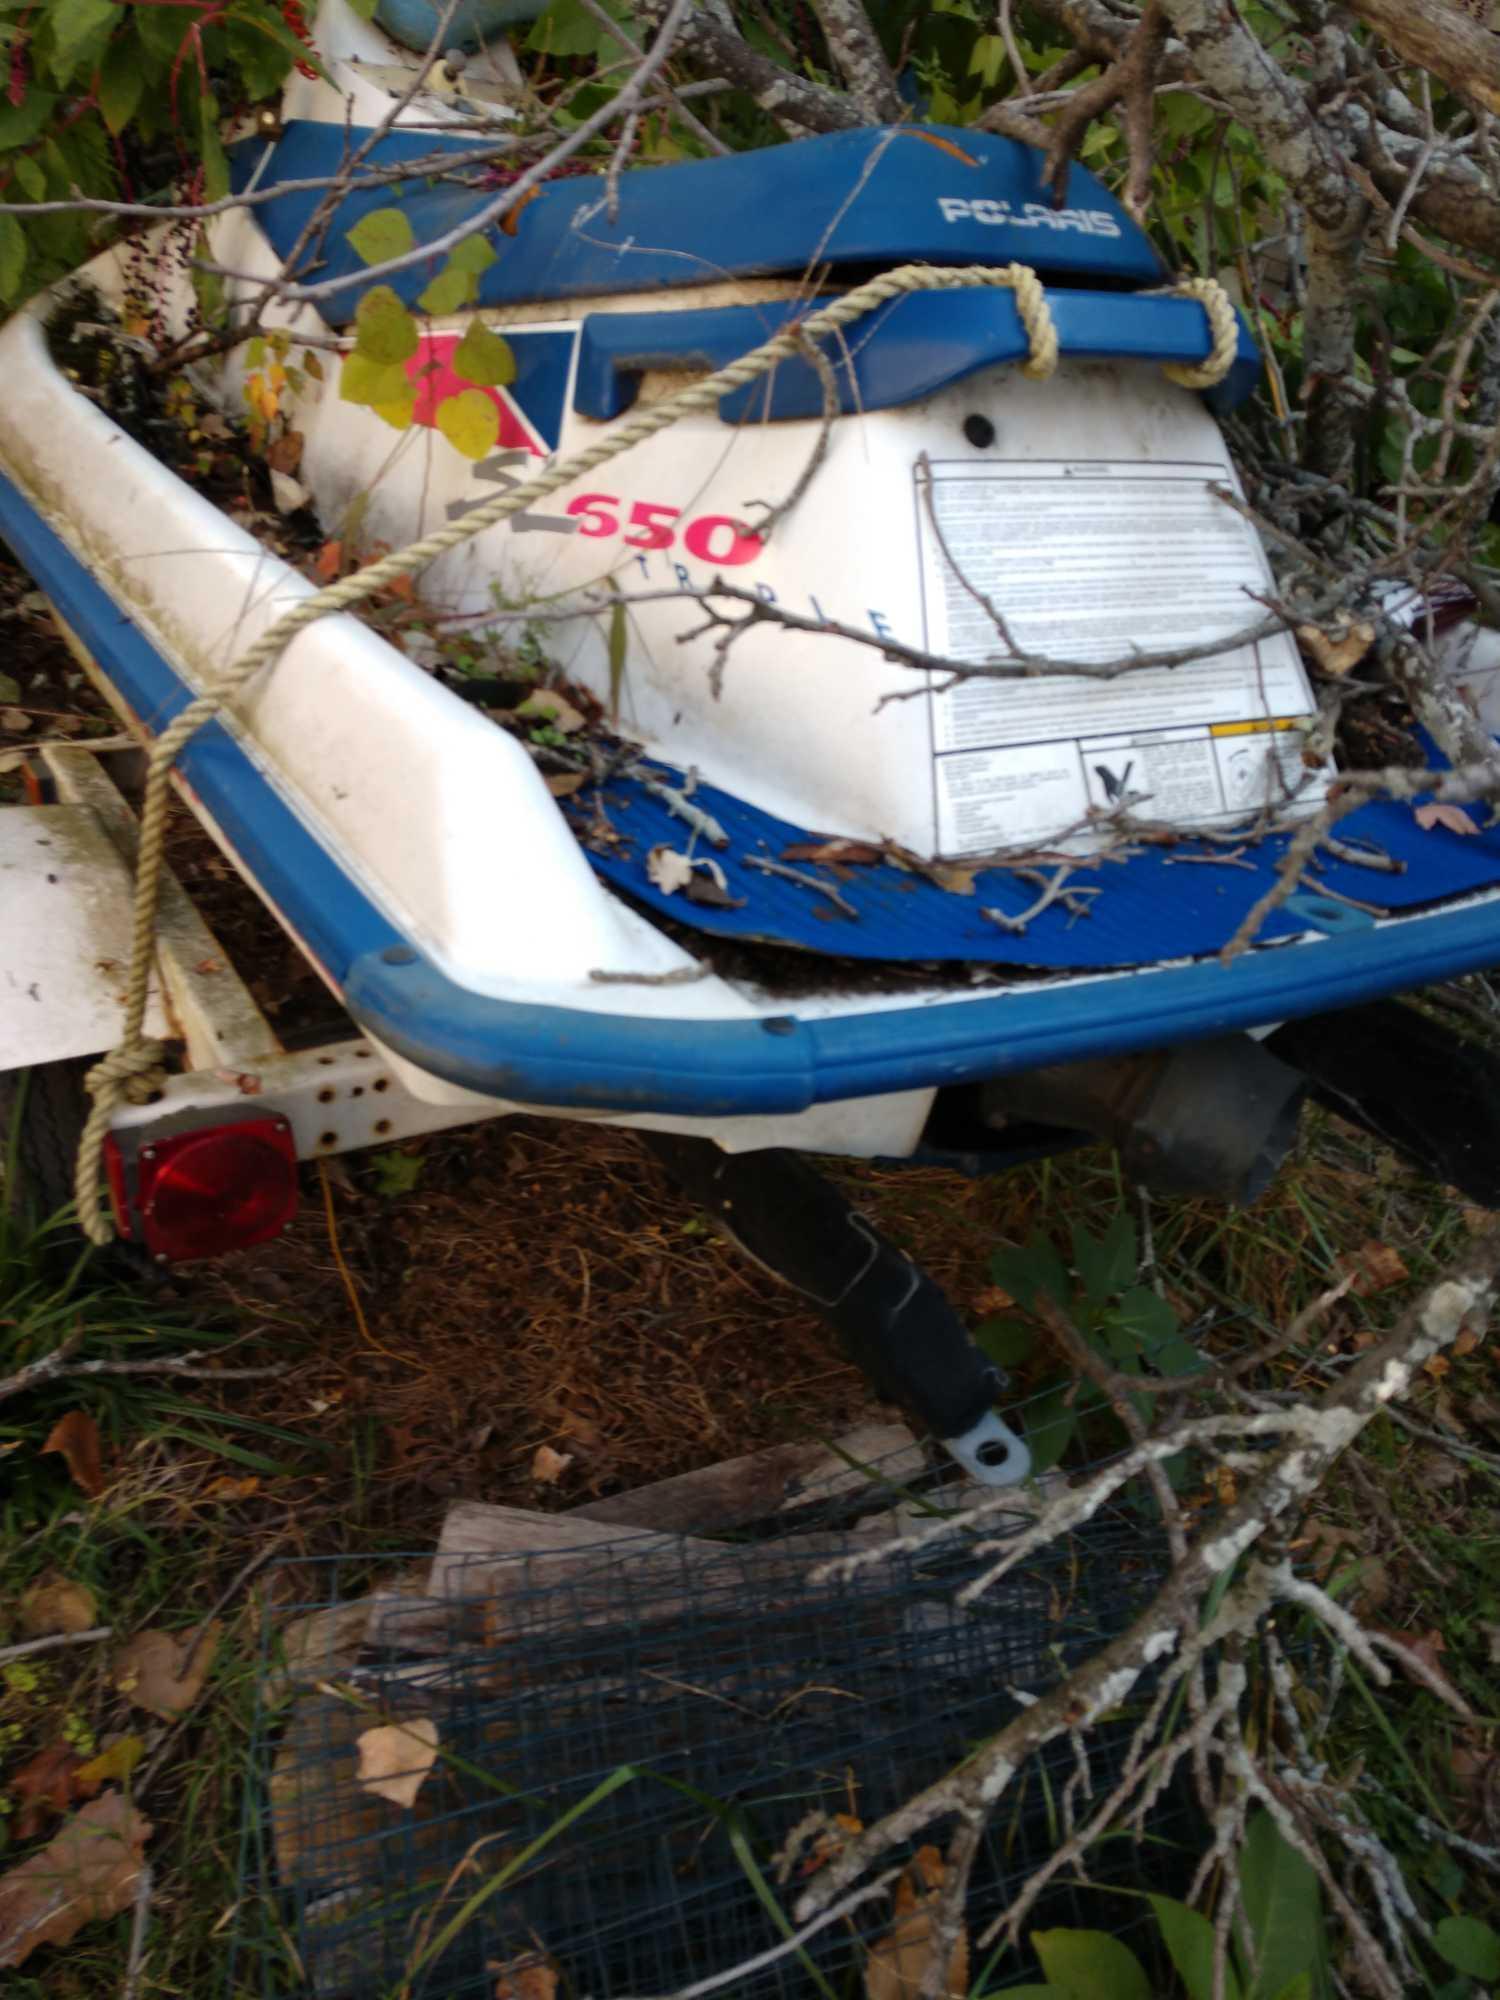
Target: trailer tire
{"type": "Point", "coordinates": [42, 1114]}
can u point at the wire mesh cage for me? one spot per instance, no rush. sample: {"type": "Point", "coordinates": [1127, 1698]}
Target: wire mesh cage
{"type": "Point", "coordinates": [612, 1746]}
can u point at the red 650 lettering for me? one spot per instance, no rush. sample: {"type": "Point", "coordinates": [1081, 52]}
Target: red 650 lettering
{"type": "Point", "coordinates": [712, 538]}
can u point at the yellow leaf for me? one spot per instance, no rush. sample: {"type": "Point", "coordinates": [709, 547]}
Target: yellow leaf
{"type": "Point", "coordinates": [397, 414]}
{"type": "Point", "coordinates": [362, 380]}
{"type": "Point", "coordinates": [483, 358]}
{"type": "Point", "coordinates": [395, 1758]}
{"type": "Point", "coordinates": [469, 421]}
{"type": "Point", "coordinates": [384, 329]}
{"type": "Point", "coordinates": [117, 1762]}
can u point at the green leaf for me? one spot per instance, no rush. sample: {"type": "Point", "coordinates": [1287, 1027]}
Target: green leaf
{"type": "Point", "coordinates": [1029, 1269]}
{"type": "Point", "coordinates": [1090, 1965]}
{"type": "Point", "coordinates": [1008, 1342]}
{"type": "Point", "coordinates": [362, 380]}
{"type": "Point", "coordinates": [618, 646]}
{"type": "Point", "coordinates": [1147, 1314]}
{"type": "Point", "coordinates": [1300, 1988]}
{"type": "Point", "coordinates": [122, 78]}
{"type": "Point", "coordinates": [1176, 1357]}
{"type": "Point", "coordinates": [1108, 1265]}
{"type": "Point", "coordinates": [483, 358]}
{"type": "Point", "coordinates": [1283, 1906]}
{"type": "Point", "coordinates": [364, 8]}
{"type": "Point", "coordinates": [396, 1173]}
{"type": "Point", "coordinates": [382, 234]}
{"type": "Point", "coordinates": [449, 292]}
{"type": "Point", "coordinates": [20, 123]}
{"type": "Point", "coordinates": [564, 29]}
{"type": "Point", "coordinates": [74, 24]}
{"type": "Point", "coordinates": [12, 258]}
{"type": "Point", "coordinates": [263, 51]}
{"type": "Point", "coordinates": [215, 161]}
{"type": "Point", "coordinates": [384, 329]}
{"type": "Point", "coordinates": [473, 255]}
{"type": "Point", "coordinates": [469, 421]}
{"type": "Point", "coordinates": [33, 182]}
{"type": "Point", "coordinates": [1189, 1937]}
{"type": "Point", "coordinates": [1469, 1946]}
{"type": "Point", "coordinates": [1050, 1423]}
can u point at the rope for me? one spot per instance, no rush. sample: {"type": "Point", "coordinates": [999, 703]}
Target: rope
{"type": "Point", "coordinates": [1224, 334]}
{"type": "Point", "coordinates": [134, 1069]}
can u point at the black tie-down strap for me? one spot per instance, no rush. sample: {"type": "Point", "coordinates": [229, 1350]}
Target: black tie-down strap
{"type": "Point", "coordinates": [894, 1322]}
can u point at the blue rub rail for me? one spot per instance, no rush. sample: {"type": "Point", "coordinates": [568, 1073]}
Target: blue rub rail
{"type": "Point", "coordinates": [571, 1058]}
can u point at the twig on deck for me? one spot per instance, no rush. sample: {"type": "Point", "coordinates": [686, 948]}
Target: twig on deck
{"type": "Point", "coordinates": [768, 867]}
{"type": "Point", "coordinates": [1075, 901]}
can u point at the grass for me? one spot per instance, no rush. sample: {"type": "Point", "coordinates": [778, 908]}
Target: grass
{"type": "Point", "coordinates": [531, 1284]}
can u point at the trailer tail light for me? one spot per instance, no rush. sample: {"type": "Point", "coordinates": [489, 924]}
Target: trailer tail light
{"type": "Point", "coordinates": [200, 1194]}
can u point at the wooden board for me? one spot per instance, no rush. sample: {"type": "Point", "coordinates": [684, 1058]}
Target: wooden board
{"type": "Point", "coordinates": [761, 1484]}
{"type": "Point", "coordinates": [535, 1573]}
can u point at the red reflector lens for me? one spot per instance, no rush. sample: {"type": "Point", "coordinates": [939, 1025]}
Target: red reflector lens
{"type": "Point", "coordinates": [204, 1193]}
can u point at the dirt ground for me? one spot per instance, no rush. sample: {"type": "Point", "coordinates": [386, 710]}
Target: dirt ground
{"type": "Point", "coordinates": [544, 1284]}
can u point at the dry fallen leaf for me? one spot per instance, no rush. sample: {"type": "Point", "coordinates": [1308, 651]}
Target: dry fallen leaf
{"type": "Point", "coordinates": [709, 885]}
{"type": "Point", "coordinates": [56, 1603]}
{"type": "Point", "coordinates": [329, 562]}
{"type": "Point", "coordinates": [531, 1977]}
{"type": "Point", "coordinates": [76, 1436]}
{"type": "Point", "coordinates": [1338, 650]}
{"type": "Point", "coordinates": [548, 1466]}
{"type": "Point", "coordinates": [1376, 1267]}
{"type": "Point", "coordinates": [150, 1673]}
{"type": "Point", "coordinates": [993, 1299]}
{"type": "Point", "coordinates": [548, 706]}
{"type": "Point", "coordinates": [943, 145]}
{"type": "Point", "coordinates": [285, 455]}
{"type": "Point", "coordinates": [227, 1487]}
{"type": "Point", "coordinates": [563, 784]}
{"type": "Point", "coordinates": [900, 1962]}
{"type": "Point", "coordinates": [44, 1787]}
{"type": "Point", "coordinates": [87, 1871]}
{"type": "Point", "coordinates": [395, 1758]}
{"type": "Point", "coordinates": [829, 1841]}
{"type": "Point", "coordinates": [1416, 1653]}
{"type": "Point", "coordinates": [953, 876]}
{"type": "Point", "coordinates": [16, 720]}
{"type": "Point", "coordinates": [289, 494]}
{"type": "Point", "coordinates": [1454, 818]}
{"type": "Point", "coordinates": [668, 870]}
{"type": "Point", "coordinates": [512, 215]}
{"type": "Point", "coordinates": [846, 853]}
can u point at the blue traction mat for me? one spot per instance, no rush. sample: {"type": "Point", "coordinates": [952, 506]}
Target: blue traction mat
{"type": "Point", "coordinates": [1152, 907]}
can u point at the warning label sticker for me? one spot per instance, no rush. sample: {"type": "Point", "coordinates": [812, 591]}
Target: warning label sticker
{"type": "Point", "coordinates": [1089, 562]}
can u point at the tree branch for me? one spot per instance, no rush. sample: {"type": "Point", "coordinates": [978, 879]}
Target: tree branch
{"type": "Point", "coordinates": [860, 60]}
{"type": "Point", "coordinates": [1437, 37]}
